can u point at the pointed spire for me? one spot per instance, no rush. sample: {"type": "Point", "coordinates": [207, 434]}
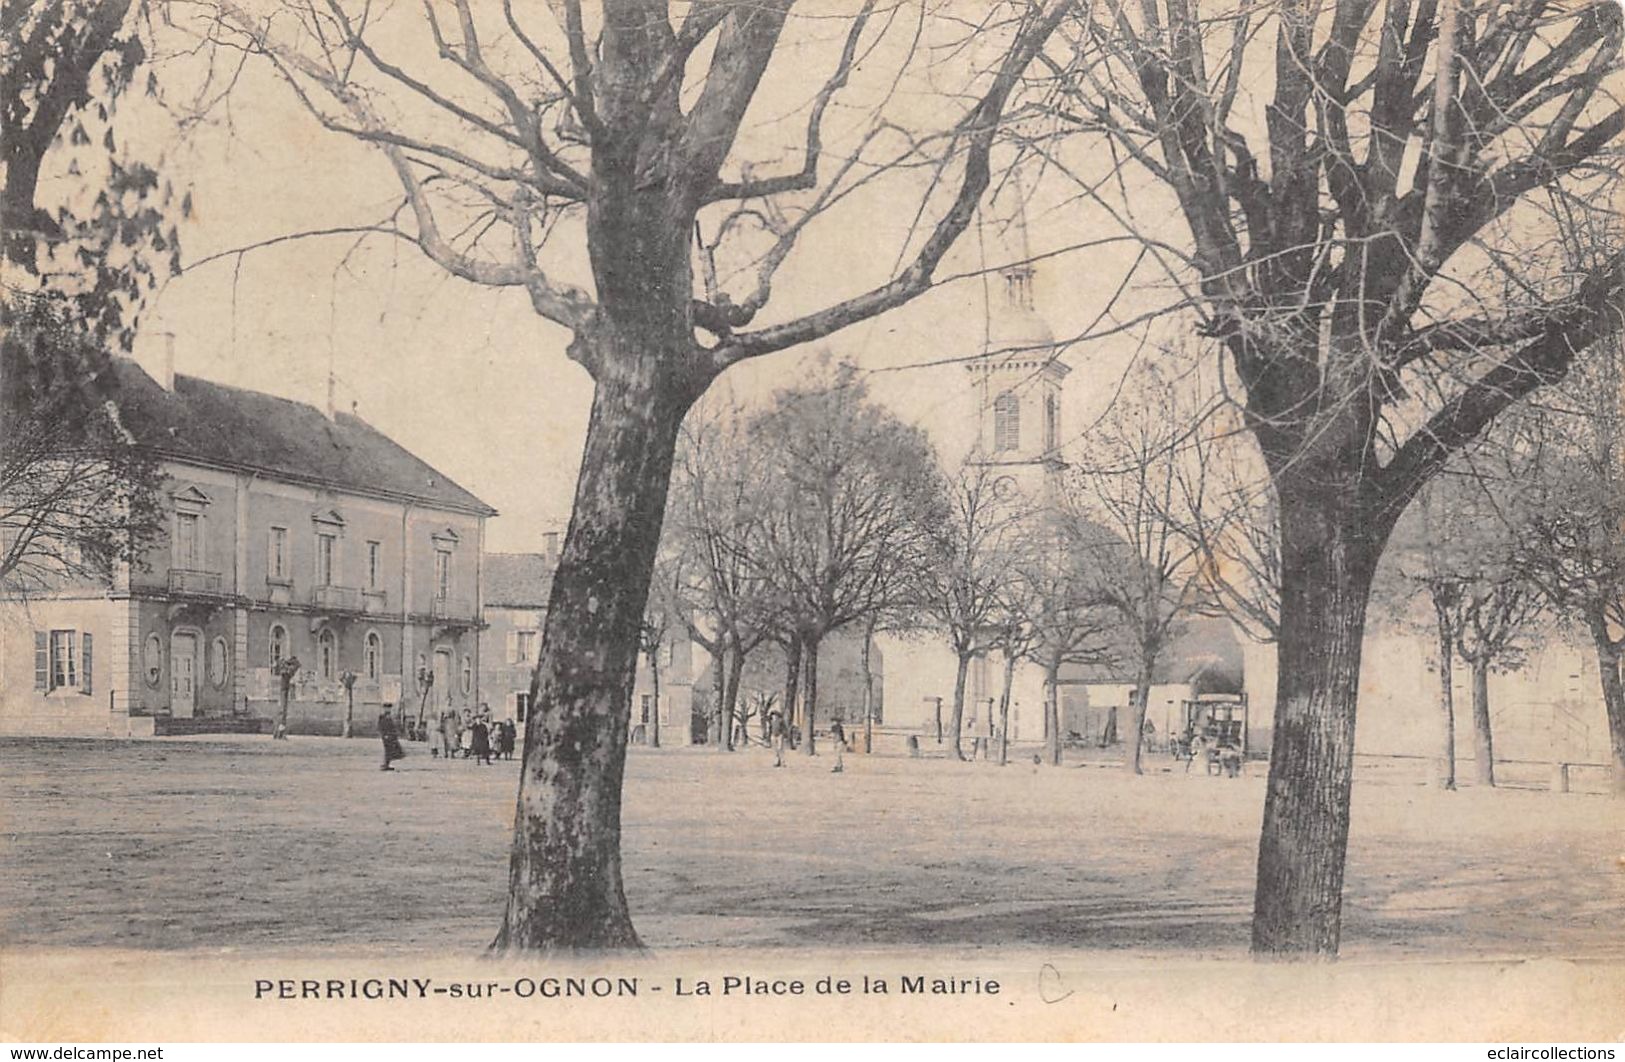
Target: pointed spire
{"type": "Point", "coordinates": [1013, 323]}
{"type": "Point", "coordinates": [1017, 268]}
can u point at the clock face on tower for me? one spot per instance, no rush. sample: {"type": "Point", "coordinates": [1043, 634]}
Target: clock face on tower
{"type": "Point", "coordinates": [1004, 488]}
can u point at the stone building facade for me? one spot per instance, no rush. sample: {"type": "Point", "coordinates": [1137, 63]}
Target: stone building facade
{"type": "Point", "coordinates": [293, 534]}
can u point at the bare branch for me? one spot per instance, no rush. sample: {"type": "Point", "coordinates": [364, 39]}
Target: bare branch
{"type": "Point", "coordinates": [979, 129]}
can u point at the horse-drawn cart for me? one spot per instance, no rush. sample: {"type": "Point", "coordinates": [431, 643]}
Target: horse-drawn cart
{"type": "Point", "coordinates": [1215, 730]}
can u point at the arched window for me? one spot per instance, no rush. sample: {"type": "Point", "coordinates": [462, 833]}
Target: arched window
{"type": "Point", "coordinates": [1006, 422]}
{"type": "Point", "coordinates": [279, 644]}
{"type": "Point", "coordinates": [1052, 420]}
{"type": "Point", "coordinates": [327, 653]}
{"type": "Point", "coordinates": [468, 673]}
{"type": "Point", "coordinates": [375, 655]}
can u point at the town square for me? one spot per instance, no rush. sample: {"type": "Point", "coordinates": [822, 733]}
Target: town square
{"type": "Point", "coordinates": [194, 845]}
{"type": "Point", "coordinates": [664, 480]}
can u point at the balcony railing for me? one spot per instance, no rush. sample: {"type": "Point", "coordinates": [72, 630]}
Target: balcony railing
{"type": "Point", "coordinates": [374, 601]}
{"type": "Point", "coordinates": [347, 598]}
{"type": "Point", "coordinates": [446, 608]}
{"type": "Point", "coordinates": [188, 581]}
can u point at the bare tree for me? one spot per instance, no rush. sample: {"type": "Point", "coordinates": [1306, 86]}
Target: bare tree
{"type": "Point", "coordinates": [78, 492]}
{"type": "Point", "coordinates": [1013, 632]}
{"type": "Point", "coordinates": [959, 584]}
{"type": "Point", "coordinates": [1419, 561]}
{"type": "Point", "coordinates": [854, 500]}
{"type": "Point", "coordinates": [1444, 594]}
{"type": "Point", "coordinates": [1133, 492]}
{"type": "Point", "coordinates": [1498, 611]}
{"type": "Point", "coordinates": [660, 621]}
{"type": "Point", "coordinates": [1332, 234]}
{"type": "Point", "coordinates": [1458, 547]}
{"type": "Point", "coordinates": [1049, 611]}
{"type": "Point", "coordinates": [1569, 544]}
{"type": "Point", "coordinates": [619, 127]}
{"type": "Point", "coordinates": [716, 524]}
{"type": "Point", "coordinates": [1225, 507]}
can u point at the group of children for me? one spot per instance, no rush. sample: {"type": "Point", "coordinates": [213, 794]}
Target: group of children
{"type": "Point", "coordinates": [472, 735]}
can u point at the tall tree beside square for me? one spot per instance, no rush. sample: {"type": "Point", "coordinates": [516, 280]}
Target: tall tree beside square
{"type": "Point", "coordinates": [617, 128]}
{"type": "Point", "coordinates": [1360, 184]}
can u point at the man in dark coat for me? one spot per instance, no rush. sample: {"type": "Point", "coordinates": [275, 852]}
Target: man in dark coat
{"type": "Point", "coordinates": [482, 740]}
{"type": "Point", "coordinates": [392, 740]}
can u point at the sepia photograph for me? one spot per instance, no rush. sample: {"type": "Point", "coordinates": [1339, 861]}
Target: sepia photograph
{"type": "Point", "coordinates": [812, 520]}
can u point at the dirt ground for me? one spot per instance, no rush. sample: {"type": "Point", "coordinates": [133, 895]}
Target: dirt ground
{"type": "Point", "coordinates": [248, 844]}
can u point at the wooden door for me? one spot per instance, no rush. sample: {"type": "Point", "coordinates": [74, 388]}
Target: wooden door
{"type": "Point", "coordinates": [183, 675]}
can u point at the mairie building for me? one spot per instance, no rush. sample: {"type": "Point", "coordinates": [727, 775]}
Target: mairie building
{"type": "Point", "coordinates": [294, 534]}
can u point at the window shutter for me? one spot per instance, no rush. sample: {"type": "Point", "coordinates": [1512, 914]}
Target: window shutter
{"type": "Point", "coordinates": [513, 647]}
{"type": "Point", "coordinates": [1006, 422]}
{"type": "Point", "coordinates": [42, 661]}
{"type": "Point", "coordinates": [85, 662]}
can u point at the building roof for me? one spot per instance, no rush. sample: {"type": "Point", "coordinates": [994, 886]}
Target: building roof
{"type": "Point", "coordinates": [213, 424]}
{"type": "Point", "coordinates": [517, 580]}
{"type": "Point", "coordinates": [1206, 655]}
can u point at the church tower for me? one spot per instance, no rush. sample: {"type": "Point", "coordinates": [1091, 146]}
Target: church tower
{"type": "Point", "coordinates": [1017, 379]}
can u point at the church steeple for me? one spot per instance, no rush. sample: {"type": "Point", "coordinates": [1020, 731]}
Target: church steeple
{"type": "Point", "coordinates": [1017, 377]}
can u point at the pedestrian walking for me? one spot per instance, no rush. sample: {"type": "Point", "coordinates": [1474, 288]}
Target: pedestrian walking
{"type": "Point", "coordinates": [507, 738]}
{"type": "Point", "coordinates": [837, 736]}
{"type": "Point", "coordinates": [437, 737]}
{"type": "Point", "coordinates": [465, 737]}
{"type": "Point", "coordinates": [392, 740]}
{"type": "Point", "coordinates": [776, 735]}
{"type": "Point", "coordinates": [481, 741]}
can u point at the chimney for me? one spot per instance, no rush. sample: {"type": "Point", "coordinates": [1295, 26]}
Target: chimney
{"type": "Point", "coordinates": [166, 375]}
{"type": "Point", "coordinates": [551, 540]}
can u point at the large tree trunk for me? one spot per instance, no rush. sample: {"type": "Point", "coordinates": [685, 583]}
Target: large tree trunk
{"type": "Point", "coordinates": [1483, 740]}
{"type": "Point", "coordinates": [810, 698]}
{"type": "Point", "coordinates": [1136, 712]}
{"type": "Point", "coordinates": [1052, 711]}
{"type": "Point", "coordinates": [1613, 699]}
{"type": "Point", "coordinates": [792, 677]}
{"type": "Point", "coordinates": [1004, 708]}
{"type": "Point", "coordinates": [956, 719]}
{"type": "Point", "coordinates": [1328, 554]}
{"type": "Point", "coordinates": [564, 890]}
{"type": "Point", "coordinates": [1447, 697]}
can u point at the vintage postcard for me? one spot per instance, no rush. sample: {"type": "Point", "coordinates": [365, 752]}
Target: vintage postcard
{"type": "Point", "coordinates": [812, 520]}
